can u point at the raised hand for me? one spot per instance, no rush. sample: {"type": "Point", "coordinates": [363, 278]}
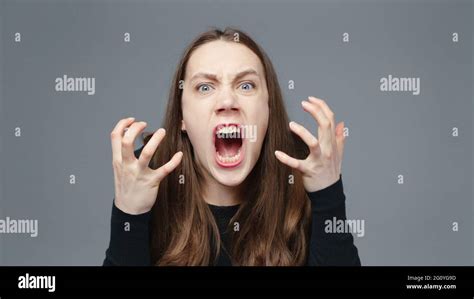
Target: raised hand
{"type": "Point", "coordinates": [136, 185]}
{"type": "Point", "coordinates": [322, 167]}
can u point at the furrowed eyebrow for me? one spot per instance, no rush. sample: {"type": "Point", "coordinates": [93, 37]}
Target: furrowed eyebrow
{"type": "Point", "coordinates": [245, 73]}
{"type": "Point", "coordinates": [214, 77]}
{"type": "Point", "coordinates": [204, 75]}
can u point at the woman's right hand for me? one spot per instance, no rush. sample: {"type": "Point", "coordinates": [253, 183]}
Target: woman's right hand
{"type": "Point", "coordinates": [136, 185]}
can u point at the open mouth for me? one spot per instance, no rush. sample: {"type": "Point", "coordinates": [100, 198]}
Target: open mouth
{"type": "Point", "coordinates": [228, 143]}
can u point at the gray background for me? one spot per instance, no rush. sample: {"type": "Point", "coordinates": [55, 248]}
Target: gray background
{"type": "Point", "coordinates": [390, 133]}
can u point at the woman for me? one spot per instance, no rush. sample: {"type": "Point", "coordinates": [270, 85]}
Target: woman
{"type": "Point", "coordinates": [207, 194]}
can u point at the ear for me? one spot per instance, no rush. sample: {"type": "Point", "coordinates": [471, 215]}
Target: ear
{"type": "Point", "coordinates": [183, 126]}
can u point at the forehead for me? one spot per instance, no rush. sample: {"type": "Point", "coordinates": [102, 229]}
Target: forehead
{"type": "Point", "coordinates": [222, 58]}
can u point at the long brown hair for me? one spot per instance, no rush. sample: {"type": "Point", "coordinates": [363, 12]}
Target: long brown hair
{"type": "Point", "coordinates": [275, 216]}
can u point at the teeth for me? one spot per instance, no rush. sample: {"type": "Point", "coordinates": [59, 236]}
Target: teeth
{"type": "Point", "coordinates": [229, 159]}
{"type": "Point", "coordinates": [227, 130]}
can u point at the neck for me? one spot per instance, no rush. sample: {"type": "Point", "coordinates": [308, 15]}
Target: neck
{"type": "Point", "coordinates": [221, 195]}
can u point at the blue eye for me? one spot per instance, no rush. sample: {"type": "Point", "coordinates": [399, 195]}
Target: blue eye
{"type": "Point", "coordinates": [249, 85]}
{"type": "Point", "coordinates": [207, 88]}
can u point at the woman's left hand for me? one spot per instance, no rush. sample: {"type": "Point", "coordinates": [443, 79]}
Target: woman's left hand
{"type": "Point", "coordinates": [322, 167]}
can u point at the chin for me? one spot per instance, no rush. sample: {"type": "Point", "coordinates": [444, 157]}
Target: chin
{"type": "Point", "coordinates": [230, 177]}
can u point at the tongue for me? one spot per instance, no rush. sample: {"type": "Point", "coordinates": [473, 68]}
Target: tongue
{"type": "Point", "coordinates": [227, 147]}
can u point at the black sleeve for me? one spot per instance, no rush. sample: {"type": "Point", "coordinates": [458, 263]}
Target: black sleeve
{"type": "Point", "coordinates": [129, 239]}
{"type": "Point", "coordinates": [330, 249]}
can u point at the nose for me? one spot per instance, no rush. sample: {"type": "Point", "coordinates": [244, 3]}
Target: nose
{"type": "Point", "coordinates": [227, 102]}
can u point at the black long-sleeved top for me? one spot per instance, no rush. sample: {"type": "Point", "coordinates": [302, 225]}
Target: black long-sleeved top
{"type": "Point", "coordinates": [130, 247]}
